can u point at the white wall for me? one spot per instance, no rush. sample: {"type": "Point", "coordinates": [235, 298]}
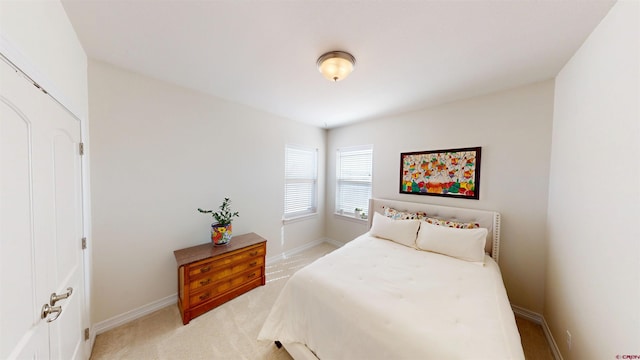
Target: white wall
{"type": "Point", "coordinates": [593, 279]}
{"type": "Point", "coordinates": [514, 129]}
{"type": "Point", "coordinates": [41, 32]}
{"type": "Point", "coordinates": [159, 152]}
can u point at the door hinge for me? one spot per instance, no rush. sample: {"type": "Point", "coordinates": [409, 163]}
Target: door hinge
{"type": "Point", "coordinates": [39, 87]}
{"type": "Point", "coordinates": [81, 148]}
{"type": "Point", "coordinates": [84, 243]}
{"type": "Point", "coordinates": [86, 334]}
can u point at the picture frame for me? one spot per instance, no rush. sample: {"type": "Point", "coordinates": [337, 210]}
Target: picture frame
{"type": "Point", "coordinates": [450, 173]}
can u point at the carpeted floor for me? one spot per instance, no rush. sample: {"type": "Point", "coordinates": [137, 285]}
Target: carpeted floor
{"type": "Point", "coordinates": [230, 330]}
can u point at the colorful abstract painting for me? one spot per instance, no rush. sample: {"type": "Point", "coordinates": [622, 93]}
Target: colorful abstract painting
{"type": "Point", "coordinates": [453, 173]}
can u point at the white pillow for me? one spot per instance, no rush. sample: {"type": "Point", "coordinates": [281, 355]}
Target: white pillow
{"type": "Point", "coordinates": [465, 244]}
{"type": "Point", "coordinates": [401, 231]}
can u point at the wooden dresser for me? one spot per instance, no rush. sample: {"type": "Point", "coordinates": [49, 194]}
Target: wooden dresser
{"type": "Point", "coordinates": [211, 275]}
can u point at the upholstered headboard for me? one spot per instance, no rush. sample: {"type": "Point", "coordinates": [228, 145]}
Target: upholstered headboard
{"type": "Point", "coordinates": [487, 219]}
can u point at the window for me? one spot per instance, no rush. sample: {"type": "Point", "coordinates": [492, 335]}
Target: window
{"type": "Point", "coordinates": [354, 178]}
{"type": "Point", "coordinates": [301, 181]}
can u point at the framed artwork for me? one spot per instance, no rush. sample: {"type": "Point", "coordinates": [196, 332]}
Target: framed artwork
{"type": "Point", "coordinates": [451, 173]}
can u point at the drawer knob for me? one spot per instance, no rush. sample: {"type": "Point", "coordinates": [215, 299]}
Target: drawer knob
{"type": "Point", "coordinates": [253, 263]}
{"type": "Point", "coordinates": [205, 282]}
{"type": "Point", "coordinates": [204, 270]}
{"type": "Point", "coordinates": [204, 296]}
{"type": "Point", "coordinates": [251, 275]}
{"type": "Point", "coordinates": [254, 253]}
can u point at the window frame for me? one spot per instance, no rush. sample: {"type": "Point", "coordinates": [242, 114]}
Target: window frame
{"type": "Point", "coordinates": [313, 208]}
{"type": "Point", "coordinates": [340, 180]}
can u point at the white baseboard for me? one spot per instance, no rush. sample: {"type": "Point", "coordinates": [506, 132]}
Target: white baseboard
{"type": "Point", "coordinates": [131, 315]}
{"type": "Point", "coordinates": [552, 342]}
{"type": "Point", "coordinates": [540, 320]}
{"type": "Point", "coordinates": [333, 242]}
{"type": "Point", "coordinates": [128, 316]}
{"type": "Point", "coordinates": [527, 314]}
{"type": "Point", "coordinates": [301, 248]}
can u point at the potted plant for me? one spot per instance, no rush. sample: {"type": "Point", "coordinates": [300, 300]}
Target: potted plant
{"type": "Point", "coordinates": [221, 229]}
{"type": "Point", "coordinates": [357, 213]}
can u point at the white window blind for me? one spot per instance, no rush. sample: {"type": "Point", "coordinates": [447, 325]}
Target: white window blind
{"type": "Point", "coordinates": [301, 180]}
{"type": "Point", "coordinates": [354, 179]}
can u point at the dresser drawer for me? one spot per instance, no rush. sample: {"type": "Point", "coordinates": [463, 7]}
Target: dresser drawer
{"type": "Point", "coordinates": [221, 287]}
{"type": "Point", "coordinates": [206, 267]}
{"type": "Point", "coordinates": [224, 272]}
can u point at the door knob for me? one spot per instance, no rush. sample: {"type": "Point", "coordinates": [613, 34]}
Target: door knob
{"type": "Point", "coordinates": [55, 297]}
{"type": "Point", "coordinates": [48, 309]}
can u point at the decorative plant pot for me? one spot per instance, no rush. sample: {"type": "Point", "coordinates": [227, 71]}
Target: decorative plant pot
{"type": "Point", "coordinates": [220, 234]}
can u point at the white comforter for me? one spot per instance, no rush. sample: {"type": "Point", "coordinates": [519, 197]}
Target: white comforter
{"type": "Point", "coordinates": [375, 299]}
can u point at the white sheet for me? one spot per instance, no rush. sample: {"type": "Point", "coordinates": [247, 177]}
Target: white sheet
{"type": "Point", "coordinates": [375, 299]}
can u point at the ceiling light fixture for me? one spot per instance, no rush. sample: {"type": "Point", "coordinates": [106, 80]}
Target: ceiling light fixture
{"type": "Point", "coordinates": [336, 65]}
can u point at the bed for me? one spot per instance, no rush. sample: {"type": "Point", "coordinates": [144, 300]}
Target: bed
{"type": "Point", "coordinates": [402, 292]}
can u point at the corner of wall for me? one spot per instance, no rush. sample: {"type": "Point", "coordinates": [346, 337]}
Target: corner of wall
{"type": "Point", "coordinates": [540, 320]}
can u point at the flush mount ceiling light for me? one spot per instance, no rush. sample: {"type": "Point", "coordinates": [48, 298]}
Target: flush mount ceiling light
{"type": "Point", "coordinates": [336, 65]}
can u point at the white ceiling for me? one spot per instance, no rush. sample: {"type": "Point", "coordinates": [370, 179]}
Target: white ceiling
{"type": "Point", "coordinates": [410, 54]}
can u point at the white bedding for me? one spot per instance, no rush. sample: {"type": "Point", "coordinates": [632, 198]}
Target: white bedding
{"type": "Point", "coordinates": [421, 306]}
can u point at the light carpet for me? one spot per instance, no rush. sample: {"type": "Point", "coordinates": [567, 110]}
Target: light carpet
{"type": "Point", "coordinates": [226, 332]}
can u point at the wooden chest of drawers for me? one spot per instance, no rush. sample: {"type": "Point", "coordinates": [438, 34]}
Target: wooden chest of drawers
{"type": "Point", "coordinates": [211, 275]}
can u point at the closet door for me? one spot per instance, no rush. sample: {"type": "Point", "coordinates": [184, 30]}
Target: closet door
{"type": "Point", "coordinates": [40, 225]}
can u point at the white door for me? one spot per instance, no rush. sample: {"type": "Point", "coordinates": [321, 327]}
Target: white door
{"type": "Point", "coordinates": [40, 224]}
